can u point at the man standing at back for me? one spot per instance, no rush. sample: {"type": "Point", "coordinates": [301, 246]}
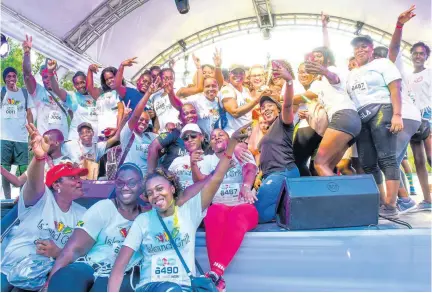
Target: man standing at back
{"type": "Point", "coordinates": [15, 113]}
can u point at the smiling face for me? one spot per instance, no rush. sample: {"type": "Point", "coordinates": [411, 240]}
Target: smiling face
{"type": "Point", "coordinates": [143, 83]}
{"type": "Point", "coordinates": [269, 111]}
{"type": "Point", "coordinates": [208, 72]}
{"type": "Point", "coordinates": [192, 141]}
{"type": "Point", "coordinates": [263, 124]}
{"type": "Point", "coordinates": [219, 140]}
{"type": "Point", "coordinates": [305, 78]}
{"type": "Point", "coordinates": [109, 79]}
{"type": "Point", "coordinates": [211, 88]}
{"type": "Point", "coordinates": [128, 186]}
{"type": "Point", "coordinates": [46, 80]}
{"type": "Point", "coordinates": [419, 56]}
{"type": "Point", "coordinates": [257, 77]}
{"type": "Point", "coordinates": [11, 80]}
{"type": "Point", "coordinates": [160, 193]}
{"type": "Point", "coordinates": [86, 136]}
{"type": "Point", "coordinates": [188, 114]}
{"type": "Point", "coordinates": [318, 57]}
{"type": "Point", "coordinates": [363, 52]}
{"type": "Point", "coordinates": [237, 77]}
{"type": "Point", "coordinates": [79, 83]}
{"type": "Point", "coordinates": [143, 123]}
{"type": "Point", "coordinates": [70, 187]}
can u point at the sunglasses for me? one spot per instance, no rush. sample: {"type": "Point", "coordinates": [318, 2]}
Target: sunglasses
{"type": "Point", "coordinates": [130, 184]}
{"type": "Point", "coordinates": [67, 165]}
{"type": "Point", "coordinates": [192, 136]}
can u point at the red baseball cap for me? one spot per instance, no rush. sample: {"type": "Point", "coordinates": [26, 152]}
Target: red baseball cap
{"type": "Point", "coordinates": [63, 170]}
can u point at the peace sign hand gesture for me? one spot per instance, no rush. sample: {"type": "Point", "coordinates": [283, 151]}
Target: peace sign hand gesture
{"type": "Point", "coordinates": [154, 86]}
{"type": "Point", "coordinates": [197, 61]}
{"type": "Point", "coordinates": [407, 15]}
{"type": "Point", "coordinates": [217, 57]}
{"type": "Point", "coordinates": [27, 44]}
{"type": "Point", "coordinates": [325, 19]}
{"type": "Point", "coordinates": [129, 62]}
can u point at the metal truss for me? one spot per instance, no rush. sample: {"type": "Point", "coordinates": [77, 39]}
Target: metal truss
{"type": "Point", "coordinates": [250, 25]}
{"type": "Point", "coordinates": [99, 21]}
{"type": "Point", "coordinates": [263, 13]}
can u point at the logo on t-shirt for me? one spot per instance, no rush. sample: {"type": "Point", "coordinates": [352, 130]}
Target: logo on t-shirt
{"type": "Point", "coordinates": [61, 232]}
{"type": "Point", "coordinates": [124, 232]}
{"type": "Point", "coordinates": [418, 79]}
{"type": "Point", "coordinates": [163, 237]}
{"type": "Point", "coordinates": [60, 227]}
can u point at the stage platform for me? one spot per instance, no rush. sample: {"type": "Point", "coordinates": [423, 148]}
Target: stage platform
{"type": "Point", "coordinates": [386, 257]}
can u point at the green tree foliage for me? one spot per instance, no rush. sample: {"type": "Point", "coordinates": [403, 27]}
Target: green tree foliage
{"type": "Point", "coordinates": [66, 83]}
{"type": "Point", "coordinates": [14, 59]}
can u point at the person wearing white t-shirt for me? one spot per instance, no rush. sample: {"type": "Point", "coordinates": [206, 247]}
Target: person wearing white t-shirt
{"type": "Point", "coordinates": [232, 213]}
{"type": "Point", "coordinates": [375, 88]}
{"type": "Point", "coordinates": [16, 108]}
{"type": "Point", "coordinates": [182, 212]}
{"type": "Point", "coordinates": [160, 101]}
{"type": "Point", "coordinates": [193, 138]}
{"type": "Point", "coordinates": [47, 214]}
{"type": "Point", "coordinates": [52, 110]}
{"type": "Point", "coordinates": [98, 237]}
{"type": "Point", "coordinates": [344, 122]}
{"type": "Point", "coordinates": [109, 109]}
{"type": "Point", "coordinates": [237, 101]}
{"type": "Point", "coordinates": [418, 87]}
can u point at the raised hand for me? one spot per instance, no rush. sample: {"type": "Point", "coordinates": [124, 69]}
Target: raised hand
{"type": "Point", "coordinates": [39, 144]}
{"type": "Point", "coordinates": [154, 86]}
{"type": "Point", "coordinates": [314, 68]}
{"type": "Point", "coordinates": [406, 15]}
{"type": "Point", "coordinates": [325, 19]}
{"type": "Point", "coordinates": [242, 133]}
{"type": "Point", "coordinates": [217, 57]}
{"type": "Point", "coordinates": [27, 44]}
{"type": "Point", "coordinates": [196, 156]}
{"type": "Point", "coordinates": [197, 61]}
{"type": "Point", "coordinates": [126, 110]}
{"type": "Point", "coordinates": [282, 72]}
{"type": "Point", "coordinates": [51, 65]}
{"type": "Point", "coordinates": [94, 68]}
{"type": "Point", "coordinates": [129, 62]}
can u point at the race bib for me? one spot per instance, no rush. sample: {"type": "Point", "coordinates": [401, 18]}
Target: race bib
{"type": "Point", "coordinates": [360, 87]}
{"type": "Point", "coordinates": [229, 190]}
{"type": "Point", "coordinates": [10, 111]}
{"type": "Point", "coordinates": [55, 117]}
{"type": "Point", "coordinates": [92, 113]}
{"type": "Point", "coordinates": [165, 268]}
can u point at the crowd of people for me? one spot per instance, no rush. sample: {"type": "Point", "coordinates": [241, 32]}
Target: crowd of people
{"type": "Point", "coordinates": [216, 151]}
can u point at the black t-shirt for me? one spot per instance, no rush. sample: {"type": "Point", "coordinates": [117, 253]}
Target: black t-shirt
{"type": "Point", "coordinates": [173, 147]}
{"type": "Point", "coordinates": [277, 148]}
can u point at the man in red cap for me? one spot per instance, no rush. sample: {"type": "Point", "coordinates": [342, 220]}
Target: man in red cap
{"type": "Point", "coordinates": [47, 213]}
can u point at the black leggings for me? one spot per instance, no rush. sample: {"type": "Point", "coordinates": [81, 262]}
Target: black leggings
{"type": "Point", "coordinates": [306, 141]}
{"type": "Point", "coordinates": [377, 146]}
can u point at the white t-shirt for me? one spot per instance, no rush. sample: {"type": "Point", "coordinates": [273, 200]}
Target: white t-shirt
{"type": "Point", "coordinates": [138, 151]}
{"type": "Point", "coordinates": [241, 98]}
{"type": "Point", "coordinates": [208, 111]}
{"type": "Point", "coordinates": [77, 151]}
{"type": "Point", "coordinates": [160, 261]}
{"type": "Point", "coordinates": [420, 88]}
{"type": "Point", "coordinates": [49, 114]}
{"type": "Point", "coordinates": [333, 97]}
{"type": "Point", "coordinates": [367, 84]}
{"type": "Point", "coordinates": [409, 110]}
{"type": "Point", "coordinates": [14, 116]}
{"type": "Point", "coordinates": [165, 112]}
{"type": "Point", "coordinates": [84, 108]}
{"type": "Point", "coordinates": [229, 190]}
{"type": "Point", "coordinates": [109, 229]}
{"type": "Point", "coordinates": [37, 221]}
{"type": "Point", "coordinates": [106, 109]}
{"type": "Point", "coordinates": [181, 166]}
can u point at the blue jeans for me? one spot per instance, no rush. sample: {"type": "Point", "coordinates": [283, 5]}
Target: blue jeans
{"type": "Point", "coordinates": [5, 286]}
{"type": "Point", "coordinates": [163, 287]}
{"type": "Point", "coordinates": [78, 277]}
{"type": "Point", "coordinates": [269, 191]}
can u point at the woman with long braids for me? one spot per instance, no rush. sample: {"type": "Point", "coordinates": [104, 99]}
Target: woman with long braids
{"type": "Point", "coordinates": [182, 212]}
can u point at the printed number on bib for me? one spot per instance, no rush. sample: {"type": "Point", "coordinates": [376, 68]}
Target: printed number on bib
{"type": "Point", "coordinates": [360, 87]}
{"type": "Point", "coordinates": [229, 190]}
{"type": "Point", "coordinates": [10, 111]}
{"type": "Point", "coordinates": [165, 269]}
{"type": "Point", "coordinates": [92, 112]}
{"type": "Point", "coordinates": [55, 117]}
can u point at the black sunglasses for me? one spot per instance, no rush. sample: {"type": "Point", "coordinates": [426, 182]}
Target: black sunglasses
{"type": "Point", "coordinates": [187, 136]}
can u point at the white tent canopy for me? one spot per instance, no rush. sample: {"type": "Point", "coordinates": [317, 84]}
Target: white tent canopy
{"type": "Point", "coordinates": [145, 28]}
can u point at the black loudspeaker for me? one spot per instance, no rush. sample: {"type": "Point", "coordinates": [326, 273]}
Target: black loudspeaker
{"type": "Point", "coordinates": [328, 202]}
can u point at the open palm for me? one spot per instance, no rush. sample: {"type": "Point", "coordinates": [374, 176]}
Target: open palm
{"type": "Point", "coordinates": [39, 144]}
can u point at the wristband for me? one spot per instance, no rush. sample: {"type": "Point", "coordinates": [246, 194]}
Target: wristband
{"type": "Point", "coordinates": [397, 114]}
{"type": "Point", "coordinates": [399, 25]}
{"type": "Point", "coordinates": [43, 158]}
{"type": "Point", "coordinates": [227, 156]}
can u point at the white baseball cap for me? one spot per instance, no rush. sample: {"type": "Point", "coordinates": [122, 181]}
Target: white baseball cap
{"type": "Point", "coordinates": [190, 127]}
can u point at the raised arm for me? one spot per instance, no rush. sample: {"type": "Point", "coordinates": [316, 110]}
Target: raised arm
{"type": "Point", "coordinates": [396, 100]}
{"type": "Point", "coordinates": [195, 157]}
{"type": "Point", "coordinates": [287, 111]}
{"type": "Point", "coordinates": [35, 187]}
{"type": "Point", "coordinates": [29, 79]}
{"type": "Point", "coordinates": [230, 104]}
{"type": "Point", "coordinates": [318, 69]}
{"type": "Point", "coordinates": [61, 93]}
{"type": "Point", "coordinates": [198, 87]}
{"type": "Point", "coordinates": [118, 81]}
{"type": "Point", "coordinates": [217, 59]}
{"type": "Point", "coordinates": [395, 43]}
{"type": "Point", "coordinates": [114, 139]}
{"type": "Point", "coordinates": [78, 245]}
{"type": "Point", "coordinates": [325, 19]}
{"type": "Point", "coordinates": [91, 89]}
{"type": "Point", "coordinates": [139, 109]}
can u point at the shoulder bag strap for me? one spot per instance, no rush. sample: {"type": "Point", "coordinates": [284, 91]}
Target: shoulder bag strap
{"type": "Point", "coordinates": [58, 103]}
{"type": "Point", "coordinates": [174, 245]}
{"type": "Point", "coordinates": [123, 157]}
{"type": "Point", "coordinates": [25, 93]}
{"type": "Point", "coordinates": [3, 93]}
